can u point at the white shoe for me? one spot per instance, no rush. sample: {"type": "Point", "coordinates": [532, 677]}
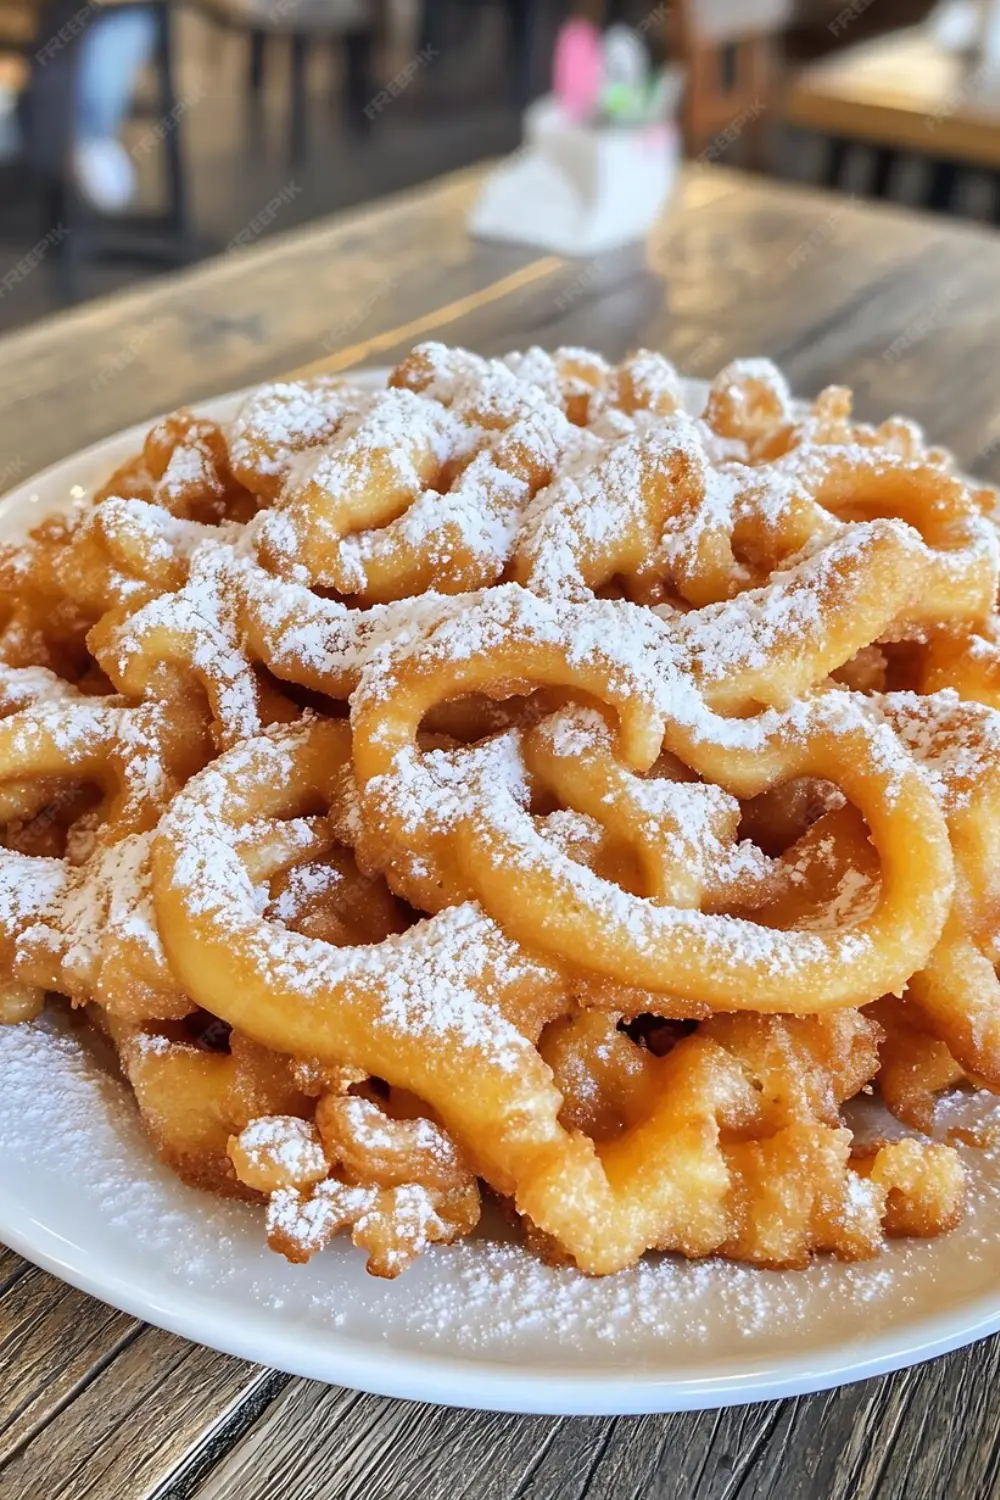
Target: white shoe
{"type": "Point", "coordinates": [104, 174]}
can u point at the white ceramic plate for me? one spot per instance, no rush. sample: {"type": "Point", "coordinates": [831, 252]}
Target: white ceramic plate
{"type": "Point", "coordinates": [476, 1324]}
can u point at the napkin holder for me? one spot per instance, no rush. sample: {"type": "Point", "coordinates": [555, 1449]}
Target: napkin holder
{"type": "Point", "coordinates": [579, 189]}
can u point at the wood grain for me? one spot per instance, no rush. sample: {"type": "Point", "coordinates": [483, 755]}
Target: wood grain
{"type": "Point", "coordinates": [247, 315]}
{"type": "Point", "coordinates": [434, 322]}
{"type": "Point", "coordinates": [95, 1406]}
{"type": "Point", "coordinates": [11, 1267]}
{"type": "Point", "coordinates": [729, 270]}
{"type": "Point", "coordinates": [877, 1440]}
{"type": "Point", "coordinates": [53, 1340]}
{"type": "Point", "coordinates": [139, 1414]}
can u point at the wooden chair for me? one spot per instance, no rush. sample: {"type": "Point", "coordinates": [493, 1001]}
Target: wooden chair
{"type": "Point", "coordinates": [439, 17]}
{"type": "Point", "coordinates": [352, 28]}
{"type": "Point", "coordinates": [819, 27]}
{"type": "Point", "coordinates": [902, 96]}
{"type": "Point", "coordinates": [18, 27]}
{"type": "Point", "coordinates": [18, 38]}
{"type": "Point", "coordinates": [730, 51]}
{"type": "Point", "coordinates": [79, 234]}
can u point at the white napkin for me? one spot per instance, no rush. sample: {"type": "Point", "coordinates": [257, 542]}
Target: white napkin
{"type": "Point", "coordinates": [575, 189]}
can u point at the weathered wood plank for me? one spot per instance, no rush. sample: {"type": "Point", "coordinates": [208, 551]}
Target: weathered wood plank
{"type": "Point", "coordinates": [833, 291]}
{"type": "Point", "coordinates": [53, 1340]}
{"type": "Point", "coordinates": [11, 1267]}
{"type": "Point", "coordinates": [240, 318]}
{"type": "Point", "coordinates": [730, 269]}
{"type": "Point", "coordinates": [329, 1441]}
{"type": "Point", "coordinates": [930, 1431]}
{"type": "Point", "coordinates": [139, 1416]}
{"type": "Point", "coordinates": [891, 1439]}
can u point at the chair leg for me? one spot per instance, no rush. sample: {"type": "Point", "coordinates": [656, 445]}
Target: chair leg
{"type": "Point", "coordinates": [178, 220]}
{"type": "Point", "coordinates": [519, 20]}
{"type": "Point", "coordinates": [62, 221]}
{"type": "Point", "coordinates": [255, 69]}
{"type": "Point", "coordinates": [257, 41]}
{"type": "Point", "coordinates": [944, 180]}
{"type": "Point", "coordinates": [178, 224]}
{"type": "Point", "coordinates": [299, 102]}
{"type": "Point", "coordinates": [885, 163]}
{"type": "Point", "coordinates": [433, 27]}
{"type": "Point", "coordinates": [53, 210]}
{"type": "Point", "coordinates": [756, 72]}
{"type": "Point", "coordinates": [359, 56]}
{"type": "Point", "coordinates": [836, 159]}
{"type": "Point", "coordinates": [67, 222]}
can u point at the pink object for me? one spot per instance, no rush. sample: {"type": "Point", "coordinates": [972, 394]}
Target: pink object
{"type": "Point", "coordinates": [578, 68]}
{"type": "Point", "coordinates": [657, 137]}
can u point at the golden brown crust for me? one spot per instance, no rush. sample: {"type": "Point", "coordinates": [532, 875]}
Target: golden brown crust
{"type": "Point", "coordinates": [671, 761]}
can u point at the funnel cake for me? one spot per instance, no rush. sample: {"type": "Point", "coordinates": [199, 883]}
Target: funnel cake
{"type": "Point", "coordinates": [508, 780]}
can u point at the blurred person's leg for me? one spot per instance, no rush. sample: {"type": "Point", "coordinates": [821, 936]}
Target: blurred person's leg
{"type": "Point", "coordinates": [113, 52]}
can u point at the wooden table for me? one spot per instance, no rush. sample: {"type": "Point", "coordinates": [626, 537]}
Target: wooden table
{"type": "Point", "coordinates": [96, 1406]}
{"type": "Point", "coordinates": [902, 92]}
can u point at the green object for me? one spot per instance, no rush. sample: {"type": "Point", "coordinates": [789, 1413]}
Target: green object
{"type": "Point", "coordinates": [644, 103]}
{"type": "Point", "coordinates": [620, 99]}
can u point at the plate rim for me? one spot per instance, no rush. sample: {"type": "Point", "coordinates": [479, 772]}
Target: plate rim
{"type": "Point", "coordinates": [494, 1385]}
{"type": "Point", "coordinates": [471, 1382]}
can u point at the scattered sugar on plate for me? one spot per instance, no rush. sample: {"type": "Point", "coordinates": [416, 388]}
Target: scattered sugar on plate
{"type": "Point", "coordinates": [80, 1165]}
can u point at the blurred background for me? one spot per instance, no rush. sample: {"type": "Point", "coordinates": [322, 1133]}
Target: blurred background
{"type": "Point", "coordinates": [145, 134]}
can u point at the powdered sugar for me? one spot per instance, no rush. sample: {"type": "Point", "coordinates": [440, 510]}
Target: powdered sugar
{"type": "Point", "coordinates": [437, 983]}
{"type": "Point", "coordinates": [22, 687]}
{"type": "Point", "coordinates": [649, 664]}
{"type": "Point", "coordinates": [69, 920]}
{"type": "Point", "coordinates": [289, 417]}
{"type": "Point", "coordinates": [284, 1147]}
{"type": "Point", "coordinates": [956, 743]}
{"type": "Point", "coordinates": [76, 1159]}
